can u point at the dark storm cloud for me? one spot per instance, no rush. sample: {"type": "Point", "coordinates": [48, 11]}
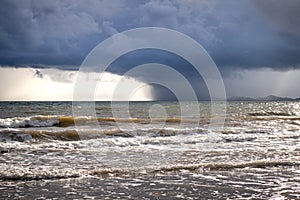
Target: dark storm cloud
{"type": "Point", "coordinates": [283, 15]}
{"type": "Point", "coordinates": [44, 32]}
{"type": "Point", "coordinates": [237, 34]}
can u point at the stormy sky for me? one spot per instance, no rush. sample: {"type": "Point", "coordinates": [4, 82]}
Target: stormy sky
{"type": "Point", "coordinates": [250, 41]}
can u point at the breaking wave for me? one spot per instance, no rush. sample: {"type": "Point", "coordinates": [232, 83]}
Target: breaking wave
{"type": "Point", "coordinates": [35, 121]}
{"type": "Point", "coordinates": [22, 135]}
{"type": "Point", "coordinates": [271, 113]}
{"type": "Point", "coordinates": [44, 173]}
{"type": "Point", "coordinates": [65, 121]}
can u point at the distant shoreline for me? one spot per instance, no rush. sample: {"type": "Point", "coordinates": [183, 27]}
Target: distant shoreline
{"type": "Point", "coordinates": [266, 98]}
{"type": "Point", "coordinates": [237, 98]}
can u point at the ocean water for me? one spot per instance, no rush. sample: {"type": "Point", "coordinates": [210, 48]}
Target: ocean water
{"type": "Point", "coordinates": [47, 153]}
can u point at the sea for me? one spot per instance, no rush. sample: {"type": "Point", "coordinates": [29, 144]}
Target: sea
{"type": "Point", "coordinates": [152, 152]}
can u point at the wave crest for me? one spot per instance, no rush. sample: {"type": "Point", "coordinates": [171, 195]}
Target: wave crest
{"type": "Point", "coordinates": [66, 121]}
{"type": "Point", "coordinates": [45, 173]}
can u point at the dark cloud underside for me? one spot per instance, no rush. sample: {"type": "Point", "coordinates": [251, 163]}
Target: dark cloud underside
{"type": "Point", "coordinates": [237, 34]}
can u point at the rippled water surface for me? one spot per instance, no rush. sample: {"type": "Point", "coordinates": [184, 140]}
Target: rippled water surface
{"type": "Point", "coordinates": [151, 155]}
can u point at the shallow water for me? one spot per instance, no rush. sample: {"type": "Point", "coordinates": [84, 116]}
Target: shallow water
{"type": "Point", "coordinates": [255, 155]}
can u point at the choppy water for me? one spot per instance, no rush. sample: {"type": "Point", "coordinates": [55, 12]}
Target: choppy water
{"type": "Point", "coordinates": [256, 154]}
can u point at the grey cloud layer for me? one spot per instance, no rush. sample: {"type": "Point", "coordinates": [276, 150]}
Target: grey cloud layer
{"type": "Point", "coordinates": [244, 34]}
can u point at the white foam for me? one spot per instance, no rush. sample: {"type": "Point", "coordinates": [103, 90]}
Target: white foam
{"type": "Point", "coordinates": [36, 121]}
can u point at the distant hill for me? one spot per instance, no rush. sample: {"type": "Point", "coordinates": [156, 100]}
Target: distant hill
{"type": "Point", "coordinates": [266, 98]}
{"type": "Point", "coordinates": [274, 98]}
{"type": "Point", "coordinates": [238, 98]}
